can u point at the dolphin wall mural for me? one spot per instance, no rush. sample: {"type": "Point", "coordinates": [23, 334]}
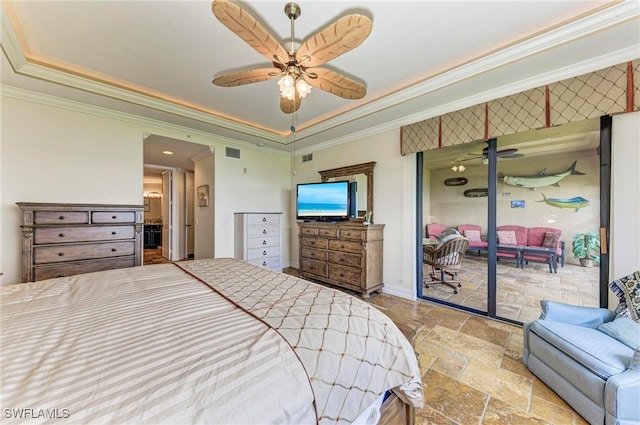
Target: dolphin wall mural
{"type": "Point", "coordinates": [541, 179]}
{"type": "Point", "coordinates": [576, 202]}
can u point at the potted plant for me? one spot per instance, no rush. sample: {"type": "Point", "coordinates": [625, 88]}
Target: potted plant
{"type": "Point", "coordinates": [586, 248]}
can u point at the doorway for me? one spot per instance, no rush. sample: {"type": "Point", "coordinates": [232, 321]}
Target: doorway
{"type": "Point", "coordinates": [169, 173]}
{"type": "Point", "coordinates": [475, 187]}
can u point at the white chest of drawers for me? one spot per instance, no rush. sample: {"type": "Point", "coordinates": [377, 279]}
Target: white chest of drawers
{"type": "Point", "coordinates": [257, 239]}
{"type": "Point", "coordinates": [67, 239]}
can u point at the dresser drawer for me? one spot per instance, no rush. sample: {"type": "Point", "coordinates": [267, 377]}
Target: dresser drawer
{"type": "Point", "coordinates": [352, 260]}
{"type": "Point", "coordinates": [45, 235]}
{"type": "Point", "coordinates": [345, 274]}
{"type": "Point", "coordinates": [264, 219]}
{"type": "Point", "coordinates": [313, 267]}
{"type": "Point", "coordinates": [113, 217]}
{"type": "Point", "coordinates": [257, 253]}
{"type": "Point", "coordinates": [61, 270]}
{"type": "Point", "coordinates": [313, 231]}
{"type": "Point", "coordinates": [61, 217]}
{"type": "Point", "coordinates": [354, 234]}
{"type": "Point", "coordinates": [59, 253]}
{"type": "Point", "coordinates": [315, 254]}
{"type": "Point", "coordinates": [314, 242]}
{"type": "Point", "coordinates": [263, 242]}
{"type": "Point", "coordinates": [262, 231]}
{"type": "Point", "coordinates": [345, 246]}
{"type": "Point", "coordinates": [330, 232]}
{"type": "Point", "coordinates": [272, 263]}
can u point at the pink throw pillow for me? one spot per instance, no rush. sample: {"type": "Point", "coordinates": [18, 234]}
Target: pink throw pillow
{"type": "Point", "coordinates": [507, 237]}
{"type": "Point", "coordinates": [472, 235]}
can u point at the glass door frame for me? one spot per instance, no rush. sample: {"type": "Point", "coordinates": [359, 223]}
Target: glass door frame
{"type": "Point", "coordinates": [605, 201]}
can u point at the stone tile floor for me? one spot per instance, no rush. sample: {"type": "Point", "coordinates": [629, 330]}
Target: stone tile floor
{"type": "Point", "coordinates": [472, 369]}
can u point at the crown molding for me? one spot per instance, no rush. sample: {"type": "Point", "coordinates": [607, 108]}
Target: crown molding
{"type": "Point", "coordinates": [611, 16]}
{"type": "Point", "coordinates": [586, 26]}
{"type": "Point", "coordinates": [577, 69]}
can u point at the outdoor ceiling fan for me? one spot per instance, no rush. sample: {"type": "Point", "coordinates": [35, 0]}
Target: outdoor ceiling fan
{"type": "Point", "coordinates": [504, 153]}
{"type": "Point", "coordinates": [297, 68]}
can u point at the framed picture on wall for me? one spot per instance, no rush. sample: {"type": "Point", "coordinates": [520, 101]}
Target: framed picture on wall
{"type": "Point", "coordinates": [203, 195]}
{"type": "Point", "coordinates": [147, 204]}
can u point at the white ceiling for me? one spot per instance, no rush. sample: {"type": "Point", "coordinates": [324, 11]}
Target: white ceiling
{"type": "Point", "coordinates": [156, 59]}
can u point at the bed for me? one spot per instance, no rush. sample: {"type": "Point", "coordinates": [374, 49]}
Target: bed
{"type": "Point", "coordinates": [205, 341]}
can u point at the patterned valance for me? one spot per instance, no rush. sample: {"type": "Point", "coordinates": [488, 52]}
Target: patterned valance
{"type": "Point", "coordinates": [611, 90]}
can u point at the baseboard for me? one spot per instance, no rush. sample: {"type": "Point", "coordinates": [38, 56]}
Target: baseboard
{"type": "Point", "coordinates": [409, 294]}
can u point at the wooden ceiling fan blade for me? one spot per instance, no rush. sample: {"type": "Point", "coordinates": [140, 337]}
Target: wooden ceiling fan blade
{"type": "Point", "coordinates": [246, 77]}
{"type": "Point", "coordinates": [338, 84]}
{"type": "Point", "coordinates": [245, 26]}
{"type": "Point", "coordinates": [343, 35]}
{"type": "Point", "coordinates": [289, 106]}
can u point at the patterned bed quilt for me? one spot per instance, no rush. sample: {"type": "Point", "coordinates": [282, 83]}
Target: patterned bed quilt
{"type": "Point", "coordinates": [205, 341]}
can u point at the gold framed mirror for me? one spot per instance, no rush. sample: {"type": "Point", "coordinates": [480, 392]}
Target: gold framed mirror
{"type": "Point", "coordinates": [360, 173]}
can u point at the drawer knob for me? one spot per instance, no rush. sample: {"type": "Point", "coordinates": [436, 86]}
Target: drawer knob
{"type": "Point", "coordinates": [264, 242]}
{"type": "Point", "coordinates": [264, 263]}
{"type": "Point", "coordinates": [113, 233]}
{"type": "Point", "coordinates": [61, 275]}
{"type": "Point", "coordinates": [114, 217]}
{"type": "Point", "coordinates": [264, 219]}
{"type": "Point", "coordinates": [113, 250]}
{"type": "Point", "coordinates": [61, 254]}
{"type": "Point", "coordinates": [61, 217]}
{"type": "Point", "coordinates": [264, 252]}
{"type": "Point", "coordinates": [61, 235]}
{"type": "Point", "coordinates": [264, 232]}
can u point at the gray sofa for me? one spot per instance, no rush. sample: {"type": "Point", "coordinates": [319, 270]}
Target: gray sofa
{"type": "Point", "coordinates": [598, 375]}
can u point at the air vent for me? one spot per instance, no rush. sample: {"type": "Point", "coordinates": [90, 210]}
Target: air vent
{"type": "Point", "coordinates": [231, 152]}
{"type": "Point", "coordinates": [308, 157]}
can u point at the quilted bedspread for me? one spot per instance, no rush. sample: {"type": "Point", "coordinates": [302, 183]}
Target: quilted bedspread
{"type": "Point", "coordinates": [351, 351]}
{"type": "Point", "coordinates": [211, 341]}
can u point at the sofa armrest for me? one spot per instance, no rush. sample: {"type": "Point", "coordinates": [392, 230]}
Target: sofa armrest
{"type": "Point", "coordinates": [622, 393]}
{"type": "Point", "coordinates": [574, 314]}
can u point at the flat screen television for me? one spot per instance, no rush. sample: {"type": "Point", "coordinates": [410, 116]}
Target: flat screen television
{"type": "Point", "coordinates": [328, 201]}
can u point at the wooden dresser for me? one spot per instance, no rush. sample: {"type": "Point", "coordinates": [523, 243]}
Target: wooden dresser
{"type": "Point", "coordinates": [66, 239]}
{"type": "Point", "coordinates": [348, 255]}
{"type": "Point", "coordinates": [257, 239]}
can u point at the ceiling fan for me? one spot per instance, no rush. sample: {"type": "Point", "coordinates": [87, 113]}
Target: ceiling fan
{"type": "Point", "coordinates": [298, 68]}
{"type": "Point", "coordinates": [504, 153]}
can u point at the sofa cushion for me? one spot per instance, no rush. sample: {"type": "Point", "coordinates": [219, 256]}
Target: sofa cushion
{"type": "Point", "coordinates": [507, 237]}
{"type": "Point", "coordinates": [627, 289]}
{"type": "Point", "coordinates": [472, 235]}
{"type": "Point", "coordinates": [624, 330]}
{"type": "Point", "coordinates": [596, 351]}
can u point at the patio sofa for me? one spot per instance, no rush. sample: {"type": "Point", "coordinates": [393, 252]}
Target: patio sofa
{"type": "Point", "coordinates": [533, 237]}
{"type": "Point", "coordinates": [588, 359]}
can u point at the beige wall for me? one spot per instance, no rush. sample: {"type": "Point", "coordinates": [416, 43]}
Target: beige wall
{"type": "Point", "coordinates": [54, 151]}
{"type": "Point", "coordinates": [394, 205]}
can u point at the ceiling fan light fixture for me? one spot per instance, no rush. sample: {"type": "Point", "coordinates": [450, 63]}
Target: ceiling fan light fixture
{"type": "Point", "coordinates": [287, 87]}
{"type": "Point", "coordinates": [303, 87]}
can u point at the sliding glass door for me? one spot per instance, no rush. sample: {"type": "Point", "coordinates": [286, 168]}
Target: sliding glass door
{"type": "Point", "coordinates": [520, 200]}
